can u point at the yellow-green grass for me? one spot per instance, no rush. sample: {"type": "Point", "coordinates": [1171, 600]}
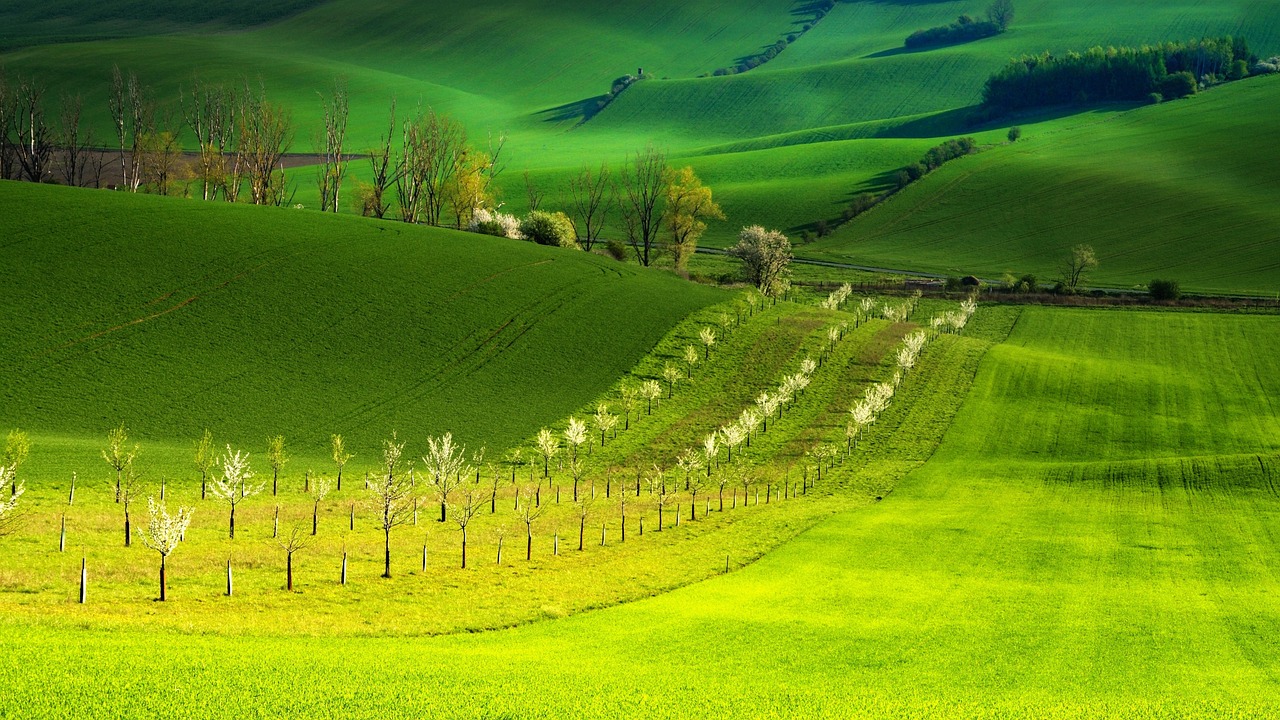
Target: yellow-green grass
{"type": "Point", "coordinates": [981, 587]}
{"type": "Point", "coordinates": [1180, 191]}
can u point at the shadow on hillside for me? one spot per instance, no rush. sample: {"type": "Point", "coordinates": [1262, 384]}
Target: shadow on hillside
{"type": "Point", "coordinates": [578, 111]}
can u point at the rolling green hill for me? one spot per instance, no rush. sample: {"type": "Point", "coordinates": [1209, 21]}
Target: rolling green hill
{"type": "Point", "coordinates": [176, 316]}
{"type": "Point", "coordinates": [988, 585]}
{"type": "Point", "coordinates": [1183, 190]}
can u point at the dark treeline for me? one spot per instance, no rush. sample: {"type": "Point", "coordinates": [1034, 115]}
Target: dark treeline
{"type": "Point", "coordinates": [1151, 72]}
{"type": "Point", "coordinates": [966, 28]}
{"type": "Point", "coordinates": [820, 8]}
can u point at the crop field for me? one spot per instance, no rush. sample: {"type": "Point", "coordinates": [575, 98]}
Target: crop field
{"type": "Point", "coordinates": [845, 77]}
{"type": "Point", "coordinates": [1195, 204]}
{"type": "Point", "coordinates": [1006, 576]}
{"type": "Point", "coordinates": [261, 462]}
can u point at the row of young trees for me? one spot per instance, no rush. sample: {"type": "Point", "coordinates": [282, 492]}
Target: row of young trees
{"type": "Point", "coordinates": [1166, 71]}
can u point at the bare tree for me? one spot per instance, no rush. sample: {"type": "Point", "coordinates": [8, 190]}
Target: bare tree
{"type": "Point", "coordinates": [331, 146]}
{"type": "Point", "coordinates": [7, 157]}
{"type": "Point", "coordinates": [291, 544]}
{"type": "Point", "coordinates": [639, 192]}
{"type": "Point", "coordinates": [209, 112]}
{"type": "Point", "coordinates": [277, 456]}
{"type": "Point", "coordinates": [133, 114]}
{"type": "Point", "coordinates": [433, 150]}
{"type": "Point", "coordinates": [533, 194]}
{"type": "Point", "coordinates": [582, 506]}
{"type": "Point", "coordinates": [117, 455]}
{"type": "Point", "coordinates": [385, 174]}
{"type": "Point", "coordinates": [445, 464]}
{"type": "Point", "coordinates": [463, 512]}
{"type": "Point", "coordinates": [80, 166]}
{"type": "Point", "coordinates": [588, 193]}
{"type": "Point", "coordinates": [232, 485]}
{"type": "Point", "coordinates": [340, 456]}
{"type": "Point", "coordinates": [529, 514]}
{"type": "Point", "coordinates": [265, 135]}
{"type": "Point", "coordinates": [33, 137]}
{"type": "Point", "coordinates": [661, 493]}
{"type": "Point", "coordinates": [164, 532]}
{"type": "Point", "coordinates": [391, 493]}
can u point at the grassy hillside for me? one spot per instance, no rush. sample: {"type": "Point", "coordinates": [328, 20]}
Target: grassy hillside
{"type": "Point", "coordinates": [985, 586]}
{"type": "Point", "coordinates": [1182, 191]}
{"type": "Point", "coordinates": [175, 316]}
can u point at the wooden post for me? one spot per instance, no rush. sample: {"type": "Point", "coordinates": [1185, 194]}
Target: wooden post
{"type": "Point", "coordinates": [353, 516]}
{"type": "Point", "coordinates": [344, 567]}
{"type": "Point", "coordinates": [424, 556]}
{"type": "Point", "coordinates": [555, 548]}
{"type": "Point", "coordinates": [230, 586]}
{"type": "Point", "coordinates": [602, 534]}
{"type": "Point", "coordinates": [84, 581]}
{"type": "Point", "coordinates": [275, 523]}
{"type": "Point", "coordinates": [71, 497]}
{"type": "Point", "coordinates": [62, 537]}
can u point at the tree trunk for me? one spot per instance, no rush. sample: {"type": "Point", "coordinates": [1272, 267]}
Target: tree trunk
{"type": "Point", "coordinates": [233, 522]}
{"type": "Point", "coordinates": [117, 484]}
{"type": "Point", "coordinates": [230, 587]}
{"type": "Point", "coordinates": [315, 518]}
{"type": "Point", "coordinates": [289, 572]}
{"type": "Point", "coordinates": [128, 536]}
{"type": "Point", "coordinates": [386, 547]}
{"type": "Point", "coordinates": [275, 480]}
{"type": "Point", "coordinates": [721, 498]}
{"type": "Point", "coordinates": [582, 531]}
{"type": "Point", "coordinates": [464, 548]}
{"type": "Point", "coordinates": [84, 581]}
{"type": "Point", "coordinates": [528, 548]}
{"type": "Point", "coordinates": [659, 518]}
{"type": "Point", "coordinates": [339, 488]}
{"type": "Point", "coordinates": [62, 536]}
{"type": "Point", "coordinates": [344, 567]}
{"type": "Point", "coordinates": [442, 511]}
{"type": "Point", "coordinates": [203, 485]}
{"type": "Point", "coordinates": [163, 597]}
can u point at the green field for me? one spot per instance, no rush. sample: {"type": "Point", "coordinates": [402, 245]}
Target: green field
{"type": "Point", "coordinates": [777, 143]}
{"type": "Point", "coordinates": [1185, 192]}
{"type": "Point", "coordinates": [1037, 564]}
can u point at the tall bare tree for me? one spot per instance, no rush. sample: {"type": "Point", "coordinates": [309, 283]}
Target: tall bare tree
{"type": "Point", "coordinates": [588, 191]}
{"type": "Point", "coordinates": [80, 166]}
{"type": "Point", "coordinates": [205, 458]}
{"type": "Point", "coordinates": [117, 453]}
{"type": "Point", "coordinates": [133, 115]}
{"type": "Point", "coordinates": [210, 113]}
{"type": "Point", "coordinates": [385, 171]}
{"type": "Point", "coordinates": [7, 157]}
{"type": "Point", "coordinates": [33, 137]}
{"type": "Point", "coordinates": [433, 151]}
{"type": "Point", "coordinates": [331, 146]}
{"type": "Point", "coordinates": [391, 493]}
{"type": "Point", "coordinates": [530, 511]}
{"type": "Point", "coordinates": [463, 511]}
{"type": "Point", "coordinates": [640, 195]}
{"type": "Point", "coordinates": [532, 193]}
{"type": "Point", "coordinates": [265, 136]}
{"type": "Point", "coordinates": [291, 543]}
{"type": "Point", "coordinates": [277, 456]}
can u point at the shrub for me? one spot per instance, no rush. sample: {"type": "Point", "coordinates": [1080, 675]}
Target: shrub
{"type": "Point", "coordinates": [547, 228]}
{"type": "Point", "coordinates": [964, 29]}
{"type": "Point", "coordinates": [953, 284]}
{"type": "Point", "coordinates": [1015, 134]}
{"type": "Point", "coordinates": [822, 228]}
{"type": "Point", "coordinates": [1239, 69]}
{"type": "Point", "coordinates": [1164, 290]}
{"type": "Point", "coordinates": [1155, 99]}
{"type": "Point", "coordinates": [492, 222]}
{"type": "Point", "coordinates": [489, 227]}
{"type": "Point", "coordinates": [617, 250]}
{"type": "Point", "coordinates": [1178, 85]}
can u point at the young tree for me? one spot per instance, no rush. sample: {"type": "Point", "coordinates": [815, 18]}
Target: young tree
{"type": "Point", "coordinates": [767, 404]}
{"type": "Point", "coordinates": [164, 532]}
{"type": "Point", "coordinates": [206, 458]}
{"type": "Point", "coordinates": [117, 455]}
{"type": "Point", "coordinates": [708, 337]}
{"type": "Point", "coordinates": [575, 435]}
{"type": "Point", "coordinates": [129, 487]}
{"type": "Point", "coordinates": [291, 544]}
{"type": "Point", "coordinates": [734, 436]}
{"type": "Point", "coordinates": [446, 465]}
{"type": "Point", "coordinates": [749, 419]}
{"type": "Point", "coordinates": [588, 192]}
{"type": "Point", "coordinates": [133, 114]}
{"type": "Point", "coordinates": [463, 511]}
{"type": "Point", "coordinates": [656, 481]}
{"type": "Point", "coordinates": [766, 259]}
{"type": "Point", "coordinates": [331, 146]}
{"type": "Point", "coordinates": [548, 445]}
{"type": "Point", "coordinates": [232, 486]}
{"type": "Point", "coordinates": [650, 390]}
{"type": "Point", "coordinates": [689, 206]}
{"type": "Point", "coordinates": [690, 359]}
{"type": "Point", "coordinates": [277, 456]}
{"type": "Point", "coordinates": [340, 457]}
{"type": "Point", "coordinates": [319, 491]}
{"type": "Point", "coordinates": [582, 506]}
{"type": "Point", "coordinates": [630, 395]}
{"type": "Point", "coordinates": [623, 500]}
{"type": "Point", "coordinates": [694, 487]}
{"type": "Point", "coordinates": [16, 447]}
{"type": "Point", "coordinates": [79, 163]}
{"type": "Point", "coordinates": [529, 514]}
{"type": "Point", "coordinates": [391, 494]}
{"type": "Point", "coordinates": [1078, 266]}
{"type": "Point", "coordinates": [689, 462]}
{"type": "Point", "coordinates": [9, 506]}
{"type": "Point", "coordinates": [639, 195]}
{"type": "Point", "coordinates": [671, 374]}
{"type": "Point", "coordinates": [710, 450]}
{"type": "Point", "coordinates": [434, 148]}
{"type": "Point", "coordinates": [468, 189]}
{"type": "Point", "coordinates": [605, 421]}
